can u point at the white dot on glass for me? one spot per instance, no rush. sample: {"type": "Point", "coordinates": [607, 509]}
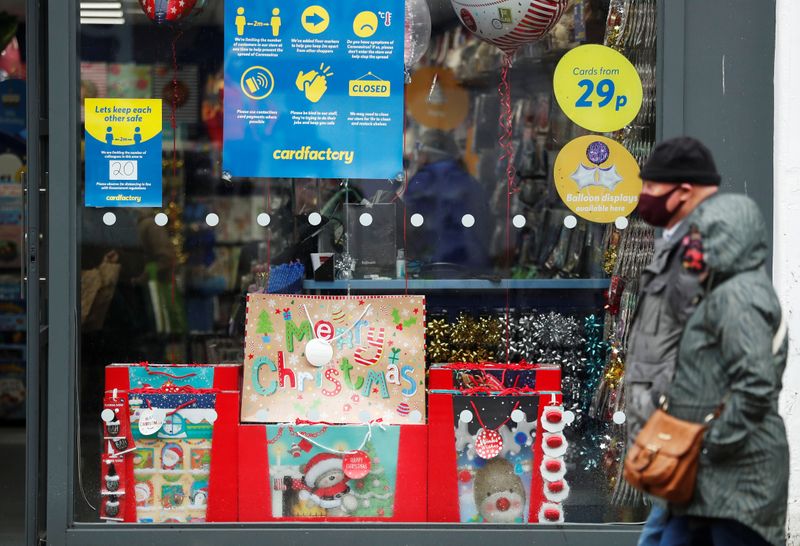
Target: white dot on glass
{"type": "Point", "coordinates": [621, 222]}
{"type": "Point", "coordinates": [415, 416]}
{"type": "Point", "coordinates": [619, 417]}
{"type": "Point", "coordinates": [212, 219]}
{"type": "Point", "coordinates": [365, 219]}
{"type": "Point", "coordinates": [569, 417]}
{"type": "Point", "coordinates": [417, 220]}
{"type": "Point", "coordinates": [109, 218]}
{"type": "Point", "coordinates": [263, 219]}
{"type": "Point", "coordinates": [161, 219]}
{"type": "Point", "coordinates": [315, 218]}
{"type": "Point", "coordinates": [570, 222]}
{"type": "Point", "coordinates": [468, 220]}
{"type": "Point", "coordinates": [465, 416]}
{"type": "Point", "coordinates": [517, 416]}
{"type": "Point", "coordinates": [107, 415]}
{"type": "Point", "coordinates": [519, 221]}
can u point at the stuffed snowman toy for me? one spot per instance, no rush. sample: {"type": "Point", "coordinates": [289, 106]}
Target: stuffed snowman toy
{"type": "Point", "coordinates": [326, 484]}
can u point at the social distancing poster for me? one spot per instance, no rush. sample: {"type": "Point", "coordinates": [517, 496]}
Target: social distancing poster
{"type": "Point", "coordinates": [123, 152]}
{"type": "Point", "coordinates": [314, 89]}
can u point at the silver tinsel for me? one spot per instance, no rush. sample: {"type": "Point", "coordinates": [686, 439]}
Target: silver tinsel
{"type": "Point", "coordinates": [344, 264]}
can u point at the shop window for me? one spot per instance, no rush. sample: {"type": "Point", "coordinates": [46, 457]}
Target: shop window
{"type": "Point", "coordinates": [454, 259]}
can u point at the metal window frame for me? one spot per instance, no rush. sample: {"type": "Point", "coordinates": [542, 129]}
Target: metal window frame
{"type": "Point", "coordinates": [60, 476]}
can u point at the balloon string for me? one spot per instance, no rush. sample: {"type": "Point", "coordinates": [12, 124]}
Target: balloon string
{"type": "Point", "coordinates": [174, 124]}
{"type": "Point", "coordinates": [507, 146]}
{"type": "Point", "coordinates": [269, 230]}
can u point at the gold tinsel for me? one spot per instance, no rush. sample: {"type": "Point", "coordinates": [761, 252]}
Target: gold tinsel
{"type": "Point", "coordinates": [437, 345]}
{"type": "Point", "coordinates": [466, 340]}
{"type": "Point", "coordinates": [615, 370]}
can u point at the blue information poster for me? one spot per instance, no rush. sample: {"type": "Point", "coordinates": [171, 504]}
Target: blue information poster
{"type": "Point", "coordinates": [12, 107]}
{"type": "Point", "coordinates": [123, 152]}
{"type": "Point", "coordinates": [314, 88]}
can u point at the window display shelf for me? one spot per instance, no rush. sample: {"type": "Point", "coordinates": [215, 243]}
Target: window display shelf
{"type": "Point", "coordinates": [460, 284]}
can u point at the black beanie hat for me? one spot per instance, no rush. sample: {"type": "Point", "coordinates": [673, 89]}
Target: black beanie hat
{"type": "Point", "coordinates": [681, 160]}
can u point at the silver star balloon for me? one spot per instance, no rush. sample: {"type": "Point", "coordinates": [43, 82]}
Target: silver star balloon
{"type": "Point", "coordinates": [584, 177]}
{"type": "Point", "coordinates": [609, 178]}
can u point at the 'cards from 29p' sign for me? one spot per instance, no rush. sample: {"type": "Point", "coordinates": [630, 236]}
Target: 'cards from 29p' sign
{"type": "Point", "coordinates": [334, 359]}
{"type": "Point", "coordinates": [123, 152]}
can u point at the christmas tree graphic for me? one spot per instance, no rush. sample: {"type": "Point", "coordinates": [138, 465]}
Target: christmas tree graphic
{"type": "Point", "coordinates": [264, 326]}
{"type": "Point", "coordinates": [374, 492]}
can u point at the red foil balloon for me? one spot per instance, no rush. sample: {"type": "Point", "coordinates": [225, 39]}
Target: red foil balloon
{"type": "Point", "coordinates": [170, 11]}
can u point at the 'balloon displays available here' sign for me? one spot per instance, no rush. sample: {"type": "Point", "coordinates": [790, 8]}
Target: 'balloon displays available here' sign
{"type": "Point", "coordinates": [314, 88]}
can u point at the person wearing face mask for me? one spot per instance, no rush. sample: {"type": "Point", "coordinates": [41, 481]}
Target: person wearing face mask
{"type": "Point", "coordinates": [707, 336]}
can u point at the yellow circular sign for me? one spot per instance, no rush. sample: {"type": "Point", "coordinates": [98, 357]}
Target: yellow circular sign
{"type": "Point", "coordinates": [597, 178]}
{"type": "Point", "coordinates": [598, 88]}
{"type": "Point", "coordinates": [315, 19]}
{"type": "Point", "coordinates": [365, 24]}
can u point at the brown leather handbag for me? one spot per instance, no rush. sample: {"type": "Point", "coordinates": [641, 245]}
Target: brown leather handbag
{"type": "Point", "coordinates": [664, 458]}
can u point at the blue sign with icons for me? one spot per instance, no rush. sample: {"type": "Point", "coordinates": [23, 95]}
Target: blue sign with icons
{"type": "Point", "coordinates": [314, 89]}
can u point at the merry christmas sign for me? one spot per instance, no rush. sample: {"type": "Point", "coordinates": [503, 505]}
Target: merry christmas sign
{"type": "Point", "coordinates": [348, 360]}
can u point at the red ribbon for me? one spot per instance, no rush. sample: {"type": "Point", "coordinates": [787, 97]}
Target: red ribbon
{"type": "Point", "coordinates": [167, 374]}
{"type": "Point", "coordinates": [478, 415]}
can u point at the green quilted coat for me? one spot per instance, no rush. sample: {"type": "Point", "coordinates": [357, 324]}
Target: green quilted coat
{"type": "Point", "coordinates": [734, 348]}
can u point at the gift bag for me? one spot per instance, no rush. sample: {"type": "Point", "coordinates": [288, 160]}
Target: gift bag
{"type": "Point", "coordinates": [496, 450]}
{"type": "Point", "coordinates": [333, 471]}
{"type": "Point", "coordinates": [181, 464]}
{"type": "Point", "coordinates": [342, 360]}
{"type": "Point", "coordinates": [222, 377]}
{"type": "Point", "coordinates": [173, 430]}
{"type": "Point", "coordinates": [494, 444]}
{"type": "Point", "coordinates": [320, 473]}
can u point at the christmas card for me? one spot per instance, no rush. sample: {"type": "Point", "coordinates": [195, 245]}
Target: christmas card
{"type": "Point", "coordinates": [339, 471]}
{"type": "Point", "coordinates": [345, 360]}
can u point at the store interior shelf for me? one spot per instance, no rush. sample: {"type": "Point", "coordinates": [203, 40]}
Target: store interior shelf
{"type": "Point", "coordinates": [460, 284]}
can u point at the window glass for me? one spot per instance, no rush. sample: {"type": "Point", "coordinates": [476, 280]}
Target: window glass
{"type": "Point", "coordinates": [510, 273]}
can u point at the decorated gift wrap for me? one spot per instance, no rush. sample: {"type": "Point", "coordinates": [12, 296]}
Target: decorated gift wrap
{"type": "Point", "coordinates": [172, 459]}
{"type": "Point", "coordinates": [346, 360]}
{"type": "Point", "coordinates": [333, 471]}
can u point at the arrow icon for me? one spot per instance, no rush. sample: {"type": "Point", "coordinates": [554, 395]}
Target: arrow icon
{"type": "Point", "coordinates": [315, 19]}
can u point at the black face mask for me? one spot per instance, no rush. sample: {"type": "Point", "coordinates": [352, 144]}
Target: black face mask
{"type": "Point", "coordinates": [653, 208]}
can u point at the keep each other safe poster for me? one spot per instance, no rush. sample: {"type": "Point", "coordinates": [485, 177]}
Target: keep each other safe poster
{"type": "Point", "coordinates": [314, 89]}
{"type": "Point", "coordinates": [123, 152]}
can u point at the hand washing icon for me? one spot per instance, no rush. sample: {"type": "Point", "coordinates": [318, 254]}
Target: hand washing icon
{"type": "Point", "coordinates": [314, 83]}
